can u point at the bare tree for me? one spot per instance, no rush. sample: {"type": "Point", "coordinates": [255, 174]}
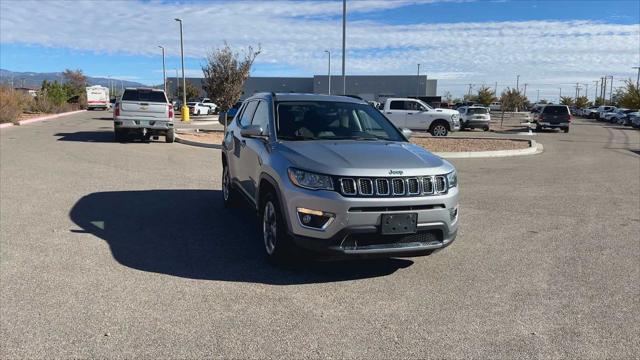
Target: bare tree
{"type": "Point", "coordinates": [225, 73]}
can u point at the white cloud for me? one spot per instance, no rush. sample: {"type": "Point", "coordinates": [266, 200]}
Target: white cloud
{"type": "Point", "coordinates": [294, 34]}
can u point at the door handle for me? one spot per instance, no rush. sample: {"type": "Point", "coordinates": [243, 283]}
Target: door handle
{"type": "Point", "coordinates": [389, 112]}
{"type": "Point", "coordinates": [409, 113]}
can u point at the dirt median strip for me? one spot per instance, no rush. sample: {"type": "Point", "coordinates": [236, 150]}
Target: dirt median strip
{"type": "Point", "coordinates": [430, 143]}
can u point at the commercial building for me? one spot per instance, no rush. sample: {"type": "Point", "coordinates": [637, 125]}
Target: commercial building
{"type": "Point", "coordinates": [368, 87]}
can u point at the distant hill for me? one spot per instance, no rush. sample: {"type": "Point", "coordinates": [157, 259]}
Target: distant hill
{"type": "Point", "coordinates": [34, 79]}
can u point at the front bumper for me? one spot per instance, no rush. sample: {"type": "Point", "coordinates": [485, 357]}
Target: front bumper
{"type": "Point", "coordinates": [355, 228]}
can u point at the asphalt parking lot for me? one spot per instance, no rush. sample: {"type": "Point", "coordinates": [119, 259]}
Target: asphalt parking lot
{"type": "Point", "coordinates": [123, 250]}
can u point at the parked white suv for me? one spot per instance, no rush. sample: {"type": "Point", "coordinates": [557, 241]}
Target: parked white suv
{"type": "Point", "coordinates": [417, 115]}
{"type": "Point", "coordinates": [474, 117]}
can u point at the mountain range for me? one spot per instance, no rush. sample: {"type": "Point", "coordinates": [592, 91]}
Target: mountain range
{"type": "Point", "coordinates": [34, 79]}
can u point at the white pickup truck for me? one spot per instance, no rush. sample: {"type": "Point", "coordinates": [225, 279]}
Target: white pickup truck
{"type": "Point", "coordinates": [417, 115]}
{"type": "Point", "coordinates": [143, 112]}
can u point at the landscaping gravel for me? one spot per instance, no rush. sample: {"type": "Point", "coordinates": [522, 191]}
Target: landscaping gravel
{"type": "Point", "coordinates": [430, 143]}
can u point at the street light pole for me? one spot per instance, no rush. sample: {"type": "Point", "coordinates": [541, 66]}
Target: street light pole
{"type": "Point", "coordinates": [164, 71]}
{"type": "Point", "coordinates": [518, 83]}
{"type": "Point", "coordinates": [418, 82]}
{"type": "Point", "coordinates": [344, 45]}
{"type": "Point", "coordinates": [329, 71]}
{"type": "Point", "coordinates": [638, 77]}
{"type": "Point", "coordinates": [611, 91]}
{"type": "Point", "coordinates": [595, 92]}
{"type": "Point", "coordinates": [560, 98]}
{"type": "Point", "coordinates": [184, 111]}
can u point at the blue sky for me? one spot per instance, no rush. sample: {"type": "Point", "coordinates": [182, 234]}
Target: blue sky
{"type": "Point", "coordinates": [550, 44]}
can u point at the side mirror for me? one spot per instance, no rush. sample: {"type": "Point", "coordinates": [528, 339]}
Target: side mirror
{"type": "Point", "coordinates": [253, 131]}
{"type": "Point", "coordinates": [223, 118]}
{"type": "Point", "coordinates": [406, 132]}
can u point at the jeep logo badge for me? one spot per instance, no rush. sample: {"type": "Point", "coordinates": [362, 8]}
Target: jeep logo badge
{"type": "Point", "coordinates": [395, 172]}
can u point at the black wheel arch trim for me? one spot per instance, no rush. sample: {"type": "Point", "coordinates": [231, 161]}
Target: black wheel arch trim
{"type": "Point", "coordinates": [283, 205]}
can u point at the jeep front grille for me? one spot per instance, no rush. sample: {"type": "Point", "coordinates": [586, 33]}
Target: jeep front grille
{"type": "Point", "coordinates": [348, 186]}
{"type": "Point", "coordinates": [394, 187]}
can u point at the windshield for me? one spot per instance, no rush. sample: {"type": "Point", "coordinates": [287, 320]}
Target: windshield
{"type": "Point", "coordinates": [477, 111]}
{"type": "Point", "coordinates": [324, 120]}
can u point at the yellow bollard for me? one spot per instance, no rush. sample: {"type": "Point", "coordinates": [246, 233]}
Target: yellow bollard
{"type": "Point", "coordinates": [184, 113]}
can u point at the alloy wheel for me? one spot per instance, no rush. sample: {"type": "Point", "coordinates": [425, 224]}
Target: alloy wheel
{"type": "Point", "coordinates": [269, 227]}
{"type": "Point", "coordinates": [439, 130]}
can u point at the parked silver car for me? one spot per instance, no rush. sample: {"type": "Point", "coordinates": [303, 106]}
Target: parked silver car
{"type": "Point", "coordinates": [331, 174]}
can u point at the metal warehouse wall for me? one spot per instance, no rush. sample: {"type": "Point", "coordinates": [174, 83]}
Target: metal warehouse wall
{"type": "Point", "coordinates": [369, 87]}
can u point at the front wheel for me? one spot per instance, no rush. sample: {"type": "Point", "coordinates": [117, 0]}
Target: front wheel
{"type": "Point", "coordinates": [229, 195]}
{"type": "Point", "coordinates": [439, 129]}
{"type": "Point", "coordinates": [277, 243]}
{"type": "Point", "coordinates": [566, 130]}
{"type": "Point", "coordinates": [486, 128]}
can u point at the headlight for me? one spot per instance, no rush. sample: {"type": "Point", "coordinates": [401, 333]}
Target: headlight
{"type": "Point", "coordinates": [452, 179]}
{"type": "Point", "coordinates": [309, 180]}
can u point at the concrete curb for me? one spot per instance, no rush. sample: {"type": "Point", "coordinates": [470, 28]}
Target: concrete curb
{"type": "Point", "coordinates": [49, 117]}
{"type": "Point", "coordinates": [534, 148]}
{"type": "Point", "coordinates": [196, 143]}
{"type": "Point", "coordinates": [5, 125]}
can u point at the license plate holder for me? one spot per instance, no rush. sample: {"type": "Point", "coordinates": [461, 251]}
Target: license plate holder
{"type": "Point", "coordinates": [405, 223]}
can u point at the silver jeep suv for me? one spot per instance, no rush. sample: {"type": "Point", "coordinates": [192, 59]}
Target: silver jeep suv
{"type": "Point", "coordinates": [331, 174]}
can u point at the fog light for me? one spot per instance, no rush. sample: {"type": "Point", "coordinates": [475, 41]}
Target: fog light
{"type": "Point", "coordinates": [453, 212]}
{"type": "Point", "coordinates": [315, 219]}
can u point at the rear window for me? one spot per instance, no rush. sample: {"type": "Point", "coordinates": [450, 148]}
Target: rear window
{"type": "Point", "coordinates": [477, 111]}
{"type": "Point", "coordinates": [144, 95]}
{"type": "Point", "coordinates": [555, 110]}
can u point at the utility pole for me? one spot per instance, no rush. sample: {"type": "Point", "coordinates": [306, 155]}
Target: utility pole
{"type": "Point", "coordinates": [595, 92]}
{"type": "Point", "coordinates": [469, 93]}
{"type": "Point", "coordinates": [560, 97]}
{"type": "Point", "coordinates": [638, 77]}
{"type": "Point", "coordinates": [495, 90]}
{"type": "Point", "coordinates": [418, 82]}
{"type": "Point", "coordinates": [518, 83]}
{"type": "Point", "coordinates": [164, 71]}
{"type": "Point", "coordinates": [604, 90]}
{"type": "Point", "coordinates": [329, 71]}
{"type": "Point", "coordinates": [525, 90]}
{"type": "Point", "coordinates": [184, 111]}
{"type": "Point", "coordinates": [611, 90]}
{"type": "Point", "coordinates": [577, 90]}
{"type": "Point", "coordinates": [586, 90]}
{"type": "Point", "coordinates": [344, 45]}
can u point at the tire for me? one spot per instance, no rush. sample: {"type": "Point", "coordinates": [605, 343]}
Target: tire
{"type": "Point", "coordinates": [229, 194]}
{"type": "Point", "coordinates": [538, 128]}
{"type": "Point", "coordinates": [119, 135]}
{"type": "Point", "coordinates": [170, 136]}
{"type": "Point", "coordinates": [566, 130]}
{"type": "Point", "coordinates": [486, 128]}
{"type": "Point", "coordinates": [439, 128]}
{"type": "Point", "coordinates": [273, 228]}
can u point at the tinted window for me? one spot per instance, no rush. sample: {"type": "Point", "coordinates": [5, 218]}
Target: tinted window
{"type": "Point", "coordinates": [144, 95]}
{"type": "Point", "coordinates": [247, 114]}
{"type": "Point", "coordinates": [555, 110]}
{"type": "Point", "coordinates": [318, 120]}
{"type": "Point", "coordinates": [261, 117]}
{"type": "Point", "coordinates": [477, 111]}
{"type": "Point", "coordinates": [397, 105]}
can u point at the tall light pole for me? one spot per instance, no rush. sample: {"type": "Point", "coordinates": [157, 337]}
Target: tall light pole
{"type": "Point", "coordinates": [329, 71]}
{"type": "Point", "coordinates": [586, 91]}
{"type": "Point", "coordinates": [611, 90]}
{"type": "Point", "coordinates": [344, 45]}
{"type": "Point", "coordinates": [560, 97]}
{"type": "Point", "coordinates": [538, 96]}
{"type": "Point", "coordinates": [184, 111]}
{"type": "Point", "coordinates": [595, 92]}
{"type": "Point", "coordinates": [638, 77]}
{"type": "Point", "coordinates": [418, 82]}
{"type": "Point", "coordinates": [164, 71]}
{"type": "Point", "coordinates": [518, 83]}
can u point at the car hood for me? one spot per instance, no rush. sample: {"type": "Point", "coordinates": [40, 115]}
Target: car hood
{"type": "Point", "coordinates": [362, 158]}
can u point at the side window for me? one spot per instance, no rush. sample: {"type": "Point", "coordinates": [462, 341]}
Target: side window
{"type": "Point", "coordinates": [247, 114]}
{"type": "Point", "coordinates": [261, 117]}
{"type": "Point", "coordinates": [397, 105]}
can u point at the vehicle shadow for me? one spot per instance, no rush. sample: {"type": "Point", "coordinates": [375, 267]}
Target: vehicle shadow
{"type": "Point", "coordinates": [87, 136]}
{"type": "Point", "coordinates": [188, 233]}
